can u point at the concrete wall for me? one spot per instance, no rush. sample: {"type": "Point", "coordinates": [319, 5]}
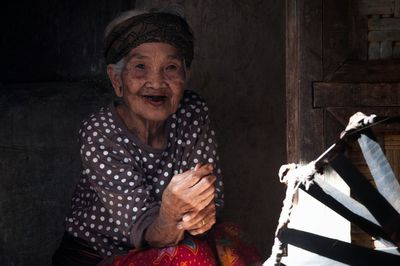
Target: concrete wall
{"type": "Point", "coordinates": [239, 69]}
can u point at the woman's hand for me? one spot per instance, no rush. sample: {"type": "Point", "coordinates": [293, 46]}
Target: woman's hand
{"type": "Point", "coordinates": [199, 222]}
{"type": "Point", "coordinates": [189, 192]}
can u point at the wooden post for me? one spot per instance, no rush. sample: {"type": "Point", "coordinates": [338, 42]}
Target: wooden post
{"type": "Point", "coordinates": [397, 8]}
{"type": "Point", "coordinates": [292, 81]}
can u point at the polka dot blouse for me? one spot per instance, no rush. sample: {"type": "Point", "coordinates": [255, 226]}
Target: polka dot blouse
{"type": "Point", "coordinates": [119, 193]}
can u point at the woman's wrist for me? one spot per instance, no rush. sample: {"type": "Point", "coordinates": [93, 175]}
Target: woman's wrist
{"type": "Point", "coordinates": [163, 231]}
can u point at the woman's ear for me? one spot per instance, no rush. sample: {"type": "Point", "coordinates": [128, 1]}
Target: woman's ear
{"type": "Point", "coordinates": [115, 78]}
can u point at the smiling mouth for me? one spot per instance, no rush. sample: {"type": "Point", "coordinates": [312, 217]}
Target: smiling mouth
{"type": "Point", "coordinates": [155, 98]}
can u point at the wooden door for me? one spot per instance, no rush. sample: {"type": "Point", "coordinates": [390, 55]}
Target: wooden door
{"type": "Point", "coordinates": [342, 56]}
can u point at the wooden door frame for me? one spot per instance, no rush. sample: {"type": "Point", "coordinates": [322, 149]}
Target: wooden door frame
{"type": "Point", "coordinates": [303, 66]}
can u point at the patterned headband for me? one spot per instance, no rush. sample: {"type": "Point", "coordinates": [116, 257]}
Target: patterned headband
{"type": "Point", "coordinates": [149, 27]}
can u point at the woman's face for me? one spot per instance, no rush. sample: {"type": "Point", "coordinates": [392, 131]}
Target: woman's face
{"type": "Point", "coordinates": [151, 82]}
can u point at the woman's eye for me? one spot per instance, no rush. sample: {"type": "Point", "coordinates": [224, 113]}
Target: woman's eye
{"type": "Point", "coordinates": [140, 66]}
{"type": "Point", "coordinates": [172, 67]}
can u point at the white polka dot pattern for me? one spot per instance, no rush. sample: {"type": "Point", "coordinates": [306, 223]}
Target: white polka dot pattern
{"type": "Point", "coordinates": [123, 179]}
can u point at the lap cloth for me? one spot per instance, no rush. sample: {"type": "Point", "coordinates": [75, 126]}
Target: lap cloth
{"type": "Point", "coordinates": [225, 245]}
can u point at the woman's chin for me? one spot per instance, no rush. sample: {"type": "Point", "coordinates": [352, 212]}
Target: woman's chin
{"type": "Point", "coordinates": [157, 116]}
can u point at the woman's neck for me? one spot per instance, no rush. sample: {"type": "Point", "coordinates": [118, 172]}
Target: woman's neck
{"type": "Point", "coordinates": [149, 132]}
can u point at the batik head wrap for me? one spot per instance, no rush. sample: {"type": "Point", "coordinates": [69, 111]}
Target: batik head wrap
{"type": "Point", "coordinates": [149, 27]}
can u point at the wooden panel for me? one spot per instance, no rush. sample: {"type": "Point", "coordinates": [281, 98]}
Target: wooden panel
{"type": "Point", "coordinates": [369, 7]}
{"type": "Point", "coordinates": [374, 50]}
{"type": "Point", "coordinates": [384, 24]}
{"type": "Point", "coordinates": [392, 151]}
{"type": "Point", "coordinates": [292, 84]}
{"type": "Point", "coordinates": [386, 50]}
{"type": "Point", "coordinates": [332, 128]}
{"type": "Point", "coordinates": [343, 115]}
{"type": "Point", "coordinates": [356, 94]}
{"type": "Point", "coordinates": [337, 26]}
{"type": "Point", "coordinates": [378, 36]}
{"type": "Point", "coordinates": [359, 37]}
{"type": "Point", "coordinates": [392, 142]}
{"type": "Point", "coordinates": [368, 71]}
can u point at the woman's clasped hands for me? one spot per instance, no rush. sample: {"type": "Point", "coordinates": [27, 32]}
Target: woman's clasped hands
{"type": "Point", "coordinates": [189, 199]}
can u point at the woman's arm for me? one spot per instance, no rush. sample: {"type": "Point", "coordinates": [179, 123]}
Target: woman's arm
{"type": "Point", "coordinates": [203, 148]}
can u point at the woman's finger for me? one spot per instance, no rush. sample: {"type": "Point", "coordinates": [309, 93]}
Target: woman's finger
{"type": "Point", "coordinates": [204, 226]}
{"type": "Point", "coordinates": [203, 184]}
{"type": "Point", "coordinates": [193, 220]}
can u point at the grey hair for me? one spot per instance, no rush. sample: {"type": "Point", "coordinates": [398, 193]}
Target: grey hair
{"type": "Point", "coordinates": [117, 67]}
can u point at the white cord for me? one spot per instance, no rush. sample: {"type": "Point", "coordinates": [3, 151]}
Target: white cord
{"type": "Point", "coordinates": [293, 176]}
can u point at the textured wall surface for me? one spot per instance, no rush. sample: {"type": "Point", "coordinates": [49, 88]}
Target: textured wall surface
{"type": "Point", "coordinates": [239, 69]}
{"type": "Point", "coordinates": [39, 164]}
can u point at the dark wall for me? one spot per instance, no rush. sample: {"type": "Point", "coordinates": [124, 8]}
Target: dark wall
{"type": "Point", "coordinates": [54, 40]}
{"type": "Point", "coordinates": [39, 164]}
{"type": "Point", "coordinates": [52, 75]}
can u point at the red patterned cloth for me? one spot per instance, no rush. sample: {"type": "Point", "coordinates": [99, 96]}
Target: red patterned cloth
{"type": "Point", "coordinates": [233, 247]}
{"type": "Point", "coordinates": [190, 251]}
{"type": "Point", "coordinates": [225, 245]}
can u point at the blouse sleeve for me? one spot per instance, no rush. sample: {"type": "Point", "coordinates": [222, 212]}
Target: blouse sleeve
{"type": "Point", "coordinates": [203, 145]}
{"type": "Point", "coordinates": [118, 183]}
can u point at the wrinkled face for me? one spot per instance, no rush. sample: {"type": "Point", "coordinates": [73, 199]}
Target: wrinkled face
{"type": "Point", "coordinates": [151, 82]}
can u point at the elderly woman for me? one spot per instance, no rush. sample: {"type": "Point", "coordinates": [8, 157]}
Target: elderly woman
{"type": "Point", "coordinates": [150, 182]}
{"type": "Point", "coordinates": [149, 162]}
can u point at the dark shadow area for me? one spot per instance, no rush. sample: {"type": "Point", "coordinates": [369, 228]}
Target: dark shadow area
{"type": "Point", "coordinates": [53, 75]}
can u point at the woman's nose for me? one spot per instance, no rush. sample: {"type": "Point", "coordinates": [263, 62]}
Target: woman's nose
{"type": "Point", "coordinates": [156, 78]}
